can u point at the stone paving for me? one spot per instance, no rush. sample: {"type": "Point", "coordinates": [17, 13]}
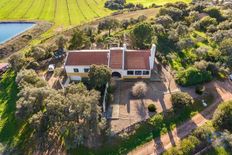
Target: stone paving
{"type": "Point", "coordinates": [125, 110]}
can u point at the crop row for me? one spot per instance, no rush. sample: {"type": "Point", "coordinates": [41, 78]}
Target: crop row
{"type": "Point", "coordinates": [61, 12]}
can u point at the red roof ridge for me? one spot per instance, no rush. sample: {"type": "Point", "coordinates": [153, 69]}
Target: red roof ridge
{"type": "Point", "coordinates": [148, 50]}
{"type": "Point", "coordinates": [90, 50]}
{"type": "Point", "coordinates": [113, 57]}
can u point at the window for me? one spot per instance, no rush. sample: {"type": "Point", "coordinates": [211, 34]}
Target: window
{"type": "Point", "coordinates": [146, 72]}
{"type": "Point", "coordinates": [130, 72]}
{"type": "Point", "coordinates": [86, 70]}
{"type": "Point", "coordinates": [76, 70]}
{"type": "Point", "coordinates": [138, 72]}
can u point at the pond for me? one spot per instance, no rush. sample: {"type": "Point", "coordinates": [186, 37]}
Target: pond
{"type": "Point", "coordinates": [9, 30]}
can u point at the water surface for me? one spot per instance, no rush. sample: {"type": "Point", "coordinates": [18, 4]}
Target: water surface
{"type": "Point", "coordinates": [10, 30]}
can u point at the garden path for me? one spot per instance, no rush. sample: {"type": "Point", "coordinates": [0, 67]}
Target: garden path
{"type": "Point", "coordinates": [222, 91]}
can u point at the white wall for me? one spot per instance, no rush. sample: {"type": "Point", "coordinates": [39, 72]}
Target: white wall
{"type": "Point", "coordinates": [137, 70]}
{"type": "Point", "coordinates": [121, 71]}
{"type": "Point", "coordinates": [75, 78]}
{"type": "Point", "coordinates": [124, 72]}
{"type": "Point", "coordinates": [69, 69]}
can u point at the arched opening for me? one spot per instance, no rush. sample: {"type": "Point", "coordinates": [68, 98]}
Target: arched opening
{"type": "Point", "coordinates": [116, 75]}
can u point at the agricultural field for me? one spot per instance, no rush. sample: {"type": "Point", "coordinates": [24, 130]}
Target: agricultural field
{"type": "Point", "coordinates": [61, 12]}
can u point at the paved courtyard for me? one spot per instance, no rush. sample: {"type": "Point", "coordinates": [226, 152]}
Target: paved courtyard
{"type": "Point", "coordinates": [126, 110]}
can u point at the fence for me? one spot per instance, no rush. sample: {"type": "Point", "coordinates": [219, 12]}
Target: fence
{"type": "Point", "coordinates": [104, 98]}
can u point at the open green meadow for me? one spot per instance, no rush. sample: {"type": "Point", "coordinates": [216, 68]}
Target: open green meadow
{"type": "Point", "coordinates": [61, 12]}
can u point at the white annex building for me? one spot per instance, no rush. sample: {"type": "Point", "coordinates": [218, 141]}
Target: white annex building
{"type": "Point", "coordinates": [124, 63]}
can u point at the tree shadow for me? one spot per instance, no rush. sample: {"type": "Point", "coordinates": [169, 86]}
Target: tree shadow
{"type": "Point", "coordinates": [8, 98]}
{"type": "Point", "coordinates": [158, 147]}
{"type": "Point", "coordinates": [142, 110]}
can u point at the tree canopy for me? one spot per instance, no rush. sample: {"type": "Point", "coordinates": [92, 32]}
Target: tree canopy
{"type": "Point", "coordinates": [142, 35]}
{"type": "Point", "coordinates": [73, 114]}
{"type": "Point", "coordinates": [79, 40]}
{"type": "Point", "coordinates": [181, 99]}
{"type": "Point", "coordinates": [99, 76]}
{"type": "Point", "coordinates": [222, 117]}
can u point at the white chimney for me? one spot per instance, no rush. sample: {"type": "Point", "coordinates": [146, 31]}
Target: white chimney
{"type": "Point", "coordinates": [108, 57]}
{"type": "Point", "coordinates": [123, 56]}
{"type": "Point", "coordinates": [152, 56]}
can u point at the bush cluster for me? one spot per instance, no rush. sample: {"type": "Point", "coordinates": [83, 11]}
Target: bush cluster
{"type": "Point", "coordinates": [186, 146]}
{"type": "Point", "coordinates": [115, 4]}
{"type": "Point", "coordinates": [121, 4]}
{"type": "Point", "coordinates": [193, 76]}
{"type": "Point", "coordinates": [181, 99]}
{"type": "Point", "coordinates": [151, 108]}
{"type": "Point", "coordinates": [222, 118]}
{"type": "Point", "coordinates": [139, 89]}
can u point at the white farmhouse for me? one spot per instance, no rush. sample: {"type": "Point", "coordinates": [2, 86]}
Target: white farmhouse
{"type": "Point", "coordinates": [124, 63]}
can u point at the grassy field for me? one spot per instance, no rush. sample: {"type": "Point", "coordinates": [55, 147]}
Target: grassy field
{"type": "Point", "coordinates": [61, 12]}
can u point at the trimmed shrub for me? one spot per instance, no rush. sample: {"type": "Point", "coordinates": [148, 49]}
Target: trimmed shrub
{"type": "Point", "coordinates": [200, 89]}
{"type": "Point", "coordinates": [187, 145]}
{"type": "Point", "coordinates": [222, 118]}
{"type": "Point", "coordinates": [157, 121]}
{"type": "Point", "coordinates": [139, 89]}
{"type": "Point", "coordinates": [151, 108]}
{"type": "Point", "coordinates": [193, 76]}
{"type": "Point", "coordinates": [181, 99]}
{"type": "Point", "coordinates": [203, 132]}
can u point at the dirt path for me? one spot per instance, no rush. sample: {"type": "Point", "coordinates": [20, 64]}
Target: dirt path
{"type": "Point", "coordinates": [223, 92]}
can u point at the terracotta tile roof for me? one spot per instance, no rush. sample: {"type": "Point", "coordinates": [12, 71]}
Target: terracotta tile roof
{"type": "Point", "coordinates": [134, 59]}
{"type": "Point", "coordinates": [116, 59]}
{"type": "Point", "coordinates": [86, 58]}
{"type": "Point", "coordinates": [138, 59]}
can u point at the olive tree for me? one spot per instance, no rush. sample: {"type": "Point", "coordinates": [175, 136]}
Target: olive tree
{"type": "Point", "coordinates": [79, 40]}
{"type": "Point", "coordinates": [17, 62]}
{"type": "Point", "coordinates": [222, 117]}
{"type": "Point", "coordinates": [141, 35]}
{"type": "Point", "coordinates": [99, 76]}
{"type": "Point", "coordinates": [181, 99]}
